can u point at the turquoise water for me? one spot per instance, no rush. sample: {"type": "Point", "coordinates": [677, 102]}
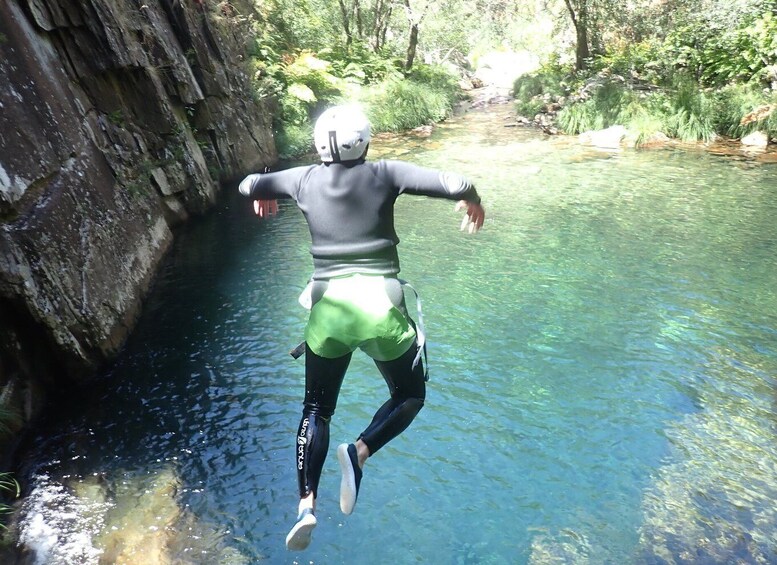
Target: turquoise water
{"type": "Point", "coordinates": [603, 358]}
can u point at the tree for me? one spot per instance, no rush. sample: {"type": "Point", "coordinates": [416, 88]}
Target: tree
{"type": "Point", "coordinates": [414, 19]}
{"type": "Point", "coordinates": [380, 23]}
{"type": "Point", "coordinates": [579, 12]}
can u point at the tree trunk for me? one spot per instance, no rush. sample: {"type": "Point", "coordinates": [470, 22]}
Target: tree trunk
{"type": "Point", "coordinates": [580, 21]}
{"type": "Point", "coordinates": [582, 52]}
{"type": "Point", "coordinates": [382, 19]}
{"type": "Point", "coordinates": [412, 44]}
{"type": "Point", "coordinates": [346, 23]}
{"type": "Point", "coordinates": [411, 47]}
{"type": "Point", "coordinates": [357, 11]}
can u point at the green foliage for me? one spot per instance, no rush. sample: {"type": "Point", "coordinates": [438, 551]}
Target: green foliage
{"type": "Point", "coordinates": [436, 77]}
{"type": "Point", "coordinates": [397, 105]}
{"type": "Point", "coordinates": [359, 65]}
{"type": "Point", "coordinates": [293, 140]}
{"type": "Point", "coordinates": [118, 118]}
{"type": "Point", "coordinates": [689, 112]}
{"type": "Point", "coordinates": [552, 79]}
{"type": "Point", "coordinates": [302, 83]}
{"type": "Point", "coordinates": [426, 95]}
{"type": "Point", "coordinates": [8, 485]}
{"type": "Point", "coordinates": [743, 109]}
{"type": "Point", "coordinates": [531, 107]}
{"type": "Point", "coordinates": [580, 117]}
{"type": "Point", "coordinates": [684, 112]}
{"type": "Point", "coordinates": [705, 77]}
{"type": "Point", "coordinates": [718, 54]}
{"type": "Point", "coordinates": [642, 59]}
{"type": "Point", "coordinates": [644, 123]}
{"type": "Point", "coordinates": [533, 91]}
{"type": "Point", "coordinates": [610, 103]}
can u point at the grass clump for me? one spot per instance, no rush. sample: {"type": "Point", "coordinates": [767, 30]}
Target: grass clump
{"type": "Point", "coordinates": [397, 105]}
{"type": "Point", "coordinates": [581, 117]}
{"type": "Point", "coordinates": [10, 420]}
{"type": "Point", "coordinates": [689, 113]}
{"type": "Point", "coordinates": [742, 109]}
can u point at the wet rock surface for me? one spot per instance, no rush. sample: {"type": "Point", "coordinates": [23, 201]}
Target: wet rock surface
{"type": "Point", "coordinates": [117, 122]}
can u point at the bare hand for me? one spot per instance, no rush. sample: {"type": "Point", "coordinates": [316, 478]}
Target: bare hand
{"type": "Point", "coordinates": [265, 208]}
{"type": "Point", "coordinates": [473, 219]}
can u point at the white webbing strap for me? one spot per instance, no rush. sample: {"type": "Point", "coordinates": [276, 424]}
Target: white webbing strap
{"type": "Point", "coordinates": [419, 330]}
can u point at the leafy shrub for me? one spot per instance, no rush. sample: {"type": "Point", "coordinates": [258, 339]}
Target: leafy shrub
{"type": "Point", "coordinates": [531, 107]}
{"type": "Point", "coordinates": [632, 59]}
{"type": "Point", "coordinates": [293, 140]}
{"type": "Point", "coordinates": [644, 123]}
{"type": "Point", "coordinates": [360, 65]}
{"type": "Point", "coordinates": [400, 105]}
{"type": "Point", "coordinates": [551, 80]}
{"type": "Point", "coordinates": [684, 112]}
{"type": "Point", "coordinates": [533, 91]}
{"type": "Point", "coordinates": [743, 109]}
{"type": "Point", "coordinates": [437, 77]}
{"type": "Point", "coordinates": [8, 486]}
{"type": "Point", "coordinates": [717, 55]}
{"type": "Point", "coordinates": [608, 104]}
{"type": "Point", "coordinates": [302, 83]}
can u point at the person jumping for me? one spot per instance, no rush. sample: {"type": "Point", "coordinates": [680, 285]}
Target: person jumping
{"type": "Point", "coordinates": [355, 295]}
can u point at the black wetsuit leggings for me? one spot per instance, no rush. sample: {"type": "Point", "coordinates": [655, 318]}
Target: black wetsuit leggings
{"type": "Point", "coordinates": [323, 378]}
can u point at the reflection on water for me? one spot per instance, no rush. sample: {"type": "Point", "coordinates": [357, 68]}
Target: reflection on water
{"type": "Point", "coordinates": [603, 360]}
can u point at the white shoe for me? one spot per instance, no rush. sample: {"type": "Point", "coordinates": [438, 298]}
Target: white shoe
{"type": "Point", "coordinates": [352, 476]}
{"type": "Point", "coordinates": [300, 534]}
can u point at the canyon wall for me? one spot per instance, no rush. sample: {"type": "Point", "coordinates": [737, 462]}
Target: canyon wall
{"type": "Point", "coordinates": [118, 121]}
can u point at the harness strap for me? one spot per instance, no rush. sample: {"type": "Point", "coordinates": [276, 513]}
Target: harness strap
{"type": "Point", "coordinates": [420, 332]}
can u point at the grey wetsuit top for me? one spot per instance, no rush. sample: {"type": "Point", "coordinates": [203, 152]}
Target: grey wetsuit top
{"type": "Point", "coordinates": [349, 208]}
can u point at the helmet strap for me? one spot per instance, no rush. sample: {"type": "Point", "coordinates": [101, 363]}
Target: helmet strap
{"type": "Point", "coordinates": [333, 149]}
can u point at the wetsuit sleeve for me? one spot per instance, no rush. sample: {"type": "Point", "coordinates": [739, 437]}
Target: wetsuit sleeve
{"type": "Point", "coordinates": [412, 179]}
{"type": "Point", "coordinates": [268, 186]}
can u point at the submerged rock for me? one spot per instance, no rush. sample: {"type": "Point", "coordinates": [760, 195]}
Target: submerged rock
{"type": "Point", "coordinates": [132, 520]}
{"type": "Point", "coordinates": [756, 139]}
{"type": "Point", "coordinates": [141, 525]}
{"type": "Point", "coordinates": [609, 138]}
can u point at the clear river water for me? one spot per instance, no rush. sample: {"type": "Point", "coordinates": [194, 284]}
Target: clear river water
{"type": "Point", "coordinates": [603, 363]}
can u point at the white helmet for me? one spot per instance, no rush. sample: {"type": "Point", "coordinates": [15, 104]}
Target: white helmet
{"type": "Point", "coordinates": [342, 134]}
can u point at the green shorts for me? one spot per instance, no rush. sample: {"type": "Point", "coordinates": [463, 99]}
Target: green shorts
{"type": "Point", "coordinates": [355, 312]}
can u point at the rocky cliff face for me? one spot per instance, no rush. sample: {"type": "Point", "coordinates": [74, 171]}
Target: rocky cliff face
{"type": "Point", "coordinates": [117, 120]}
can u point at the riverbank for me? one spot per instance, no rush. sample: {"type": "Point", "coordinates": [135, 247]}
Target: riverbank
{"type": "Point", "coordinates": [676, 108]}
{"type": "Point", "coordinates": [608, 139]}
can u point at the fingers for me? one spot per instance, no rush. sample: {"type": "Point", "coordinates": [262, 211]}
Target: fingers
{"type": "Point", "coordinates": [464, 223]}
{"type": "Point", "coordinates": [474, 218]}
{"type": "Point", "coordinates": [265, 208]}
{"type": "Point", "coordinates": [471, 224]}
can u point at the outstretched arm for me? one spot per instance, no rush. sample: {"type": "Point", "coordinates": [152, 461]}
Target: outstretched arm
{"type": "Point", "coordinates": [412, 179]}
{"type": "Point", "coordinates": [265, 188]}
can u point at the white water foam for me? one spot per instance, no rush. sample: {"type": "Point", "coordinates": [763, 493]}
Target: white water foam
{"type": "Point", "coordinates": [58, 527]}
